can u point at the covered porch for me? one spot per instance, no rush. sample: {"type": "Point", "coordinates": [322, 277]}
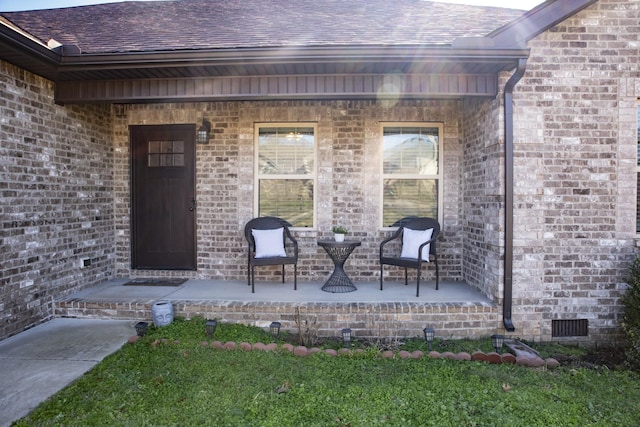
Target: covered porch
{"type": "Point", "coordinates": [79, 230]}
{"type": "Point", "coordinates": [456, 310]}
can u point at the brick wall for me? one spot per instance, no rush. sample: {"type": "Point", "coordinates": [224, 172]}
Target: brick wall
{"type": "Point", "coordinates": [575, 144]}
{"type": "Point", "coordinates": [348, 186]}
{"type": "Point", "coordinates": [56, 184]}
{"type": "Point", "coordinates": [483, 196]}
{"type": "Point", "coordinates": [66, 184]}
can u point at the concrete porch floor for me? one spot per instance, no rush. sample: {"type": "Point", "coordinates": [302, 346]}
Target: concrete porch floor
{"type": "Point", "coordinates": [236, 290]}
{"type": "Point", "coordinates": [456, 310]}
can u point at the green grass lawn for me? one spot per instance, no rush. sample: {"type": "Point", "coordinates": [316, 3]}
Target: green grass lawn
{"type": "Point", "coordinates": [167, 383]}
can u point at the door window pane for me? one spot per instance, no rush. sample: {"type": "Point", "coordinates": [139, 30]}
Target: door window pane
{"type": "Point", "coordinates": [165, 154]}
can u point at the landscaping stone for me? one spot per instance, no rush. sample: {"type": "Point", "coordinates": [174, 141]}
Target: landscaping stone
{"type": "Point", "coordinates": [521, 349]}
{"type": "Point", "coordinates": [301, 351]}
{"type": "Point", "coordinates": [508, 358]}
{"type": "Point", "coordinates": [532, 362]}
{"type": "Point", "coordinates": [479, 356]}
{"type": "Point", "coordinates": [417, 354]}
{"type": "Point", "coordinates": [525, 359]}
{"type": "Point", "coordinates": [537, 362]}
{"type": "Point", "coordinates": [552, 363]}
{"type": "Point", "coordinates": [463, 355]}
{"type": "Point", "coordinates": [288, 347]}
{"type": "Point", "coordinates": [494, 358]}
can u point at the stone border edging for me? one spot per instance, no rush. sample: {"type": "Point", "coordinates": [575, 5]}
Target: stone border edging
{"type": "Point", "coordinates": [303, 351]}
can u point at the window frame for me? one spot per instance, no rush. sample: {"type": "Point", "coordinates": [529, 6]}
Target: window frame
{"type": "Point", "coordinates": [439, 177]}
{"type": "Point", "coordinates": [313, 175]}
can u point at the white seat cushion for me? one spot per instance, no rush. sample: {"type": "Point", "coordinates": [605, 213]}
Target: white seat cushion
{"type": "Point", "coordinates": [269, 243]}
{"type": "Point", "coordinates": [411, 241]}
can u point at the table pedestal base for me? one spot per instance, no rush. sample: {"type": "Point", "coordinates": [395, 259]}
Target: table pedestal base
{"type": "Point", "coordinates": [339, 282]}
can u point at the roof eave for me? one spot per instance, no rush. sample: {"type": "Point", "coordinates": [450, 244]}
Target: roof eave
{"type": "Point", "coordinates": [288, 55]}
{"type": "Point", "coordinates": [26, 52]}
{"type": "Point", "coordinates": [517, 33]}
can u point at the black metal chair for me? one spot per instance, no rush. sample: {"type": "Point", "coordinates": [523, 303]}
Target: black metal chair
{"type": "Point", "coordinates": [412, 247]}
{"type": "Point", "coordinates": [270, 243]}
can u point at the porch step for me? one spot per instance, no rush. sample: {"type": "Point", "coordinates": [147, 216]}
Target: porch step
{"type": "Point", "coordinates": [388, 320]}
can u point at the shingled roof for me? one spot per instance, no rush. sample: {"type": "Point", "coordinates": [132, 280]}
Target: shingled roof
{"type": "Point", "coordinates": [186, 50]}
{"type": "Point", "coordinates": [211, 24]}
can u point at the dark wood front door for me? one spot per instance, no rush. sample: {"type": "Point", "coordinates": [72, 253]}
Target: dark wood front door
{"type": "Point", "coordinates": [163, 197]}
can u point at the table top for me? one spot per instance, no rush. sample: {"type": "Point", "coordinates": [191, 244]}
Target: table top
{"type": "Point", "coordinates": [333, 244]}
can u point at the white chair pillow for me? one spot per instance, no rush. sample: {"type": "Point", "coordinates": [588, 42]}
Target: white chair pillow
{"type": "Point", "coordinates": [269, 243]}
{"type": "Point", "coordinates": [411, 241]}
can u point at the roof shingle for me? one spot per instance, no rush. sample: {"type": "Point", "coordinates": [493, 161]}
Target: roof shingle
{"type": "Point", "coordinates": [211, 24]}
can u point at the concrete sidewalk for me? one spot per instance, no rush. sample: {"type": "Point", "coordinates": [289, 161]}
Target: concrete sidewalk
{"type": "Point", "coordinates": [39, 362]}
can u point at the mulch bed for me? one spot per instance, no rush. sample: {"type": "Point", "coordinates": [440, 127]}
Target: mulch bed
{"type": "Point", "coordinates": [610, 358]}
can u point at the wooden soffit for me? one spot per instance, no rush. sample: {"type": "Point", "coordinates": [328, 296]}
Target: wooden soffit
{"type": "Point", "coordinates": [378, 86]}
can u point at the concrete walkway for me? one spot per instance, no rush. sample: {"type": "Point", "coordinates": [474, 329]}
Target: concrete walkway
{"type": "Point", "coordinates": [39, 362]}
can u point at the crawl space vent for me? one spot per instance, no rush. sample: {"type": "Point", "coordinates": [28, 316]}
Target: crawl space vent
{"type": "Point", "coordinates": [570, 328]}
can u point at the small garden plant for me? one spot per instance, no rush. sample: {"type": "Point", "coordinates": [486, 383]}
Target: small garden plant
{"type": "Point", "coordinates": [338, 229]}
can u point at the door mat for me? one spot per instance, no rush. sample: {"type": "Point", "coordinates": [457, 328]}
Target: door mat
{"type": "Point", "coordinates": [155, 282]}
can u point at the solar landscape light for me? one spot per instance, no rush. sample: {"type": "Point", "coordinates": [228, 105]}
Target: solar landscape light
{"type": "Point", "coordinates": [141, 328]}
{"type": "Point", "coordinates": [346, 337]}
{"type": "Point", "coordinates": [275, 330]}
{"type": "Point", "coordinates": [497, 341]}
{"type": "Point", "coordinates": [429, 335]}
{"type": "Point", "coordinates": [210, 326]}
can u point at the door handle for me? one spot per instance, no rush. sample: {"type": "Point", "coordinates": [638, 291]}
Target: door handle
{"type": "Point", "coordinates": [194, 203]}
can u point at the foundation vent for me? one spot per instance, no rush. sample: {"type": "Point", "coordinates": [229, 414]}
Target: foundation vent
{"type": "Point", "coordinates": [570, 328]}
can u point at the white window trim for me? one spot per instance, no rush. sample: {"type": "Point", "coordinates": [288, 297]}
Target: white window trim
{"type": "Point", "coordinates": [439, 176]}
{"type": "Point", "coordinates": [313, 175]}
